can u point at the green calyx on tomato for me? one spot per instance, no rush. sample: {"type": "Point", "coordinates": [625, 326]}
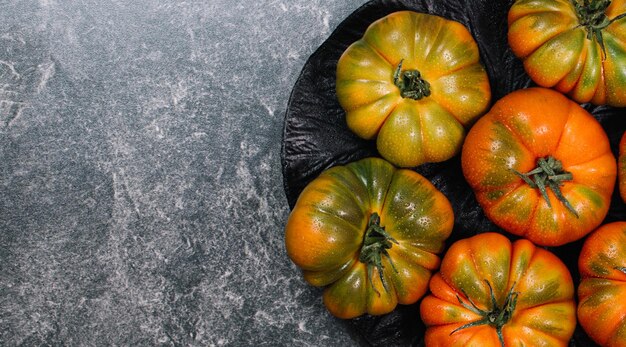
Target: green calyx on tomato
{"type": "Point", "coordinates": [410, 83]}
{"type": "Point", "coordinates": [592, 16]}
{"type": "Point", "coordinates": [376, 242]}
{"type": "Point", "coordinates": [497, 317]}
{"type": "Point", "coordinates": [549, 173]}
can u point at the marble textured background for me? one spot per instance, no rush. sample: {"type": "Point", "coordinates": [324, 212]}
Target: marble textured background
{"type": "Point", "coordinates": [141, 198]}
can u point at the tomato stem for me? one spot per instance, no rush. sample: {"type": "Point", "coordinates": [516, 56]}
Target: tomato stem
{"type": "Point", "coordinates": [376, 242]}
{"type": "Point", "coordinates": [497, 316]}
{"type": "Point", "coordinates": [410, 83]}
{"type": "Point", "coordinates": [592, 15]}
{"type": "Point", "coordinates": [549, 173]}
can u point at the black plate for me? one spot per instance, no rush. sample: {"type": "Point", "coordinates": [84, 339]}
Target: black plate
{"type": "Point", "coordinates": [316, 138]}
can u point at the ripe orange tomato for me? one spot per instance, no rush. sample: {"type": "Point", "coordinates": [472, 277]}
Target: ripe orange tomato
{"type": "Point", "coordinates": [541, 167]}
{"type": "Point", "coordinates": [602, 290]}
{"type": "Point", "coordinates": [491, 292]}
{"type": "Point", "coordinates": [370, 234]}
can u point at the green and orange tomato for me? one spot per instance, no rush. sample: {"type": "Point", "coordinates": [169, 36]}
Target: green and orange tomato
{"type": "Point", "coordinates": [370, 234]}
{"type": "Point", "coordinates": [414, 83]}
{"type": "Point", "coordinates": [540, 166]}
{"type": "Point", "coordinates": [602, 291]}
{"type": "Point", "coordinates": [491, 292]}
{"type": "Point", "coordinates": [575, 46]}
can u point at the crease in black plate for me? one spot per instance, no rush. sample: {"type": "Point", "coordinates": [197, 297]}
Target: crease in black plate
{"type": "Point", "coordinates": [315, 138]}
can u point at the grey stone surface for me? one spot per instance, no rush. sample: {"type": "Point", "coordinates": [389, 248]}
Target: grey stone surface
{"type": "Point", "coordinates": [141, 197]}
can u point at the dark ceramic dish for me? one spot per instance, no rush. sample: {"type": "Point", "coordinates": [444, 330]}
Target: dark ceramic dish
{"type": "Point", "coordinates": [316, 138]}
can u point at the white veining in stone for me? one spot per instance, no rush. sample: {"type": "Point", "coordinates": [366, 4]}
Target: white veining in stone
{"type": "Point", "coordinates": [141, 197]}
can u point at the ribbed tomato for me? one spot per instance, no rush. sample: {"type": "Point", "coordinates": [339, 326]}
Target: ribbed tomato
{"type": "Point", "coordinates": [602, 291]}
{"type": "Point", "coordinates": [413, 82]}
{"type": "Point", "coordinates": [491, 292]}
{"type": "Point", "coordinates": [370, 233]}
{"type": "Point", "coordinates": [540, 166]}
{"type": "Point", "coordinates": [575, 46]}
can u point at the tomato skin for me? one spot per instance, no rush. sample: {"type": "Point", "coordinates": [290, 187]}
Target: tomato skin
{"type": "Point", "coordinates": [602, 290]}
{"type": "Point", "coordinates": [521, 128]}
{"type": "Point", "coordinates": [326, 229]}
{"type": "Point", "coordinates": [558, 52]}
{"type": "Point", "coordinates": [409, 131]}
{"type": "Point", "coordinates": [545, 310]}
{"type": "Point", "coordinates": [621, 167]}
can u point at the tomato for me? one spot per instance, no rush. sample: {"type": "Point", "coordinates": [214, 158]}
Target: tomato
{"type": "Point", "coordinates": [602, 290]}
{"type": "Point", "coordinates": [621, 164]}
{"type": "Point", "coordinates": [370, 233]}
{"type": "Point", "coordinates": [491, 292]}
{"type": "Point", "coordinates": [413, 82]}
{"type": "Point", "coordinates": [540, 166]}
{"type": "Point", "coordinates": [575, 46]}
